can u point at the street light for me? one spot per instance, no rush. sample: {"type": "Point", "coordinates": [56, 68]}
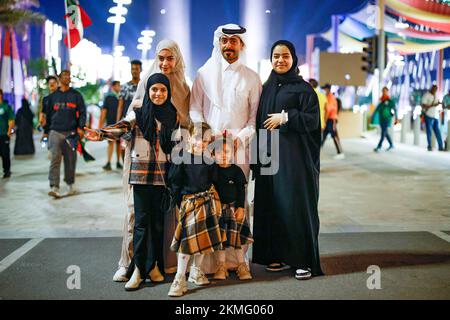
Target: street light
{"type": "Point", "coordinates": [145, 42]}
{"type": "Point", "coordinates": [118, 11]}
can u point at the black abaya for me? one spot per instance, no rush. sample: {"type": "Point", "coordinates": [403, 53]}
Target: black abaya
{"type": "Point", "coordinates": [286, 221]}
{"type": "Point", "coordinates": [24, 134]}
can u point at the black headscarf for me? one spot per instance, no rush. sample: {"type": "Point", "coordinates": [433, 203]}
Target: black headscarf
{"type": "Point", "coordinates": [25, 111]}
{"type": "Point", "coordinates": [165, 113]}
{"type": "Point", "coordinates": [271, 86]}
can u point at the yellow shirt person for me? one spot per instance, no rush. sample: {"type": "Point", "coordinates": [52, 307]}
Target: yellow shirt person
{"type": "Point", "coordinates": [322, 102]}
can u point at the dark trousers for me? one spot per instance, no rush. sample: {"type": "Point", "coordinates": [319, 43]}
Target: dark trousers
{"type": "Point", "coordinates": [384, 125]}
{"type": "Point", "coordinates": [432, 124]}
{"type": "Point", "coordinates": [5, 153]}
{"type": "Point", "coordinates": [60, 150]}
{"type": "Point", "coordinates": [148, 229]}
{"type": "Point", "coordinates": [331, 129]}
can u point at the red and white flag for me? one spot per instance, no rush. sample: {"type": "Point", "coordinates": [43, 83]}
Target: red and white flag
{"type": "Point", "coordinates": [77, 20]}
{"type": "Point", "coordinates": [6, 78]}
{"type": "Point", "coordinates": [17, 67]}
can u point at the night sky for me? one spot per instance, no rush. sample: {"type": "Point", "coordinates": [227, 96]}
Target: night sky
{"type": "Point", "coordinates": [289, 19]}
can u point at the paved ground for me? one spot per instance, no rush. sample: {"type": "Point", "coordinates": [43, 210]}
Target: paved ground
{"type": "Point", "coordinates": [387, 209]}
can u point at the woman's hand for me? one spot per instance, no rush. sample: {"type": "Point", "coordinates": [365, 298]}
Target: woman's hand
{"type": "Point", "coordinates": [92, 135]}
{"type": "Point", "coordinates": [274, 121]}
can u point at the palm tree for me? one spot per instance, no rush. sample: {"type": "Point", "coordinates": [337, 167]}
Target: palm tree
{"type": "Point", "coordinates": [17, 14]}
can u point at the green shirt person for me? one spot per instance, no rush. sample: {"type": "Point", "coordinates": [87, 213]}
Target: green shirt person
{"type": "Point", "coordinates": [386, 110]}
{"type": "Point", "coordinates": [6, 127]}
{"type": "Point", "coordinates": [6, 117]}
{"type": "Point", "coordinates": [446, 101]}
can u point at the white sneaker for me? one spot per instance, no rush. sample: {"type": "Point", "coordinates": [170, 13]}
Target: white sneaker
{"type": "Point", "coordinates": [197, 276]}
{"type": "Point", "coordinates": [339, 156]}
{"type": "Point", "coordinates": [121, 275]}
{"type": "Point", "coordinates": [301, 274]}
{"type": "Point", "coordinates": [54, 192]}
{"type": "Point", "coordinates": [71, 190]}
{"type": "Point", "coordinates": [178, 287]}
{"type": "Point", "coordinates": [135, 282]}
{"type": "Point", "coordinates": [155, 274]}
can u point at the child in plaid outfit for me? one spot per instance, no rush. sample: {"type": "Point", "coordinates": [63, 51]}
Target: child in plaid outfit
{"type": "Point", "coordinates": [230, 185]}
{"type": "Point", "coordinates": [198, 231]}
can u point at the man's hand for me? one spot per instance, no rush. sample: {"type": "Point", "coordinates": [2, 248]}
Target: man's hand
{"type": "Point", "coordinates": [92, 135]}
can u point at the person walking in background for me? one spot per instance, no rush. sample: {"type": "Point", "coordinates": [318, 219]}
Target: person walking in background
{"type": "Point", "coordinates": [24, 130]}
{"type": "Point", "coordinates": [445, 111]}
{"type": "Point", "coordinates": [430, 106]}
{"type": "Point", "coordinates": [331, 113]}
{"type": "Point", "coordinates": [65, 116]}
{"type": "Point", "coordinates": [109, 113]}
{"type": "Point", "coordinates": [52, 84]}
{"type": "Point", "coordinates": [6, 129]}
{"type": "Point", "coordinates": [322, 101]}
{"type": "Point", "coordinates": [385, 111]}
{"type": "Point", "coordinates": [129, 89]}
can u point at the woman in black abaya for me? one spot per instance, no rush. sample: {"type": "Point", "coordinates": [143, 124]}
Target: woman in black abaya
{"type": "Point", "coordinates": [286, 221]}
{"type": "Point", "coordinates": [24, 130]}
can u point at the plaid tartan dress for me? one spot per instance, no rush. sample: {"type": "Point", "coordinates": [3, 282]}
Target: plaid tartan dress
{"type": "Point", "coordinates": [198, 230]}
{"type": "Point", "coordinates": [238, 231]}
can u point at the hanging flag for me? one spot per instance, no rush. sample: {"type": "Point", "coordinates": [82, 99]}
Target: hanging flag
{"type": "Point", "coordinates": [6, 79]}
{"type": "Point", "coordinates": [17, 67]}
{"type": "Point", "coordinates": [1, 31]}
{"type": "Point", "coordinates": [77, 20]}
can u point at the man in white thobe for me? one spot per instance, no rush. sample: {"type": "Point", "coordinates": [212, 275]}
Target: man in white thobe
{"type": "Point", "coordinates": [226, 95]}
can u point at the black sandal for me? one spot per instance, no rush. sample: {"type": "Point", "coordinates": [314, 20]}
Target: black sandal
{"type": "Point", "coordinates": [277, 266]}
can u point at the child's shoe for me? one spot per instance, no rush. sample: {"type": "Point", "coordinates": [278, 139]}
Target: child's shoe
{"type": "Point", "coordinates": [155, 274]}
{"type": "Point", "coordinates": [243, 272]}
{"type": "Point", "coordinates": [197, 276]}
{"type": "Point", "coordinates": [178, 287]}
{"type": "Point", "coordinates": [221, 273]}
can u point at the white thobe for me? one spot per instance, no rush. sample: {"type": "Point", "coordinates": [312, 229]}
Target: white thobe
{"type": "Point", "coordinates": [237, 115]}
{"type": "Point", "coordinates": [240, 103]}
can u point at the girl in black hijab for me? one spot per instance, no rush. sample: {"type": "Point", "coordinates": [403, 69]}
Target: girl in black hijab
{"type": "Point", "coordinates": [150, 128]}
{"type": "Point", "coordinates": [165, 113]}
{"type": "Point", "coordinates": [286, 222]}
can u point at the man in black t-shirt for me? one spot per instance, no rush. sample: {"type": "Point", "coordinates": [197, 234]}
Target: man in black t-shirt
{"type": "Point", "coordinates": [65, 116]}
{"type": "Point", "coordinates": [109, 113]}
